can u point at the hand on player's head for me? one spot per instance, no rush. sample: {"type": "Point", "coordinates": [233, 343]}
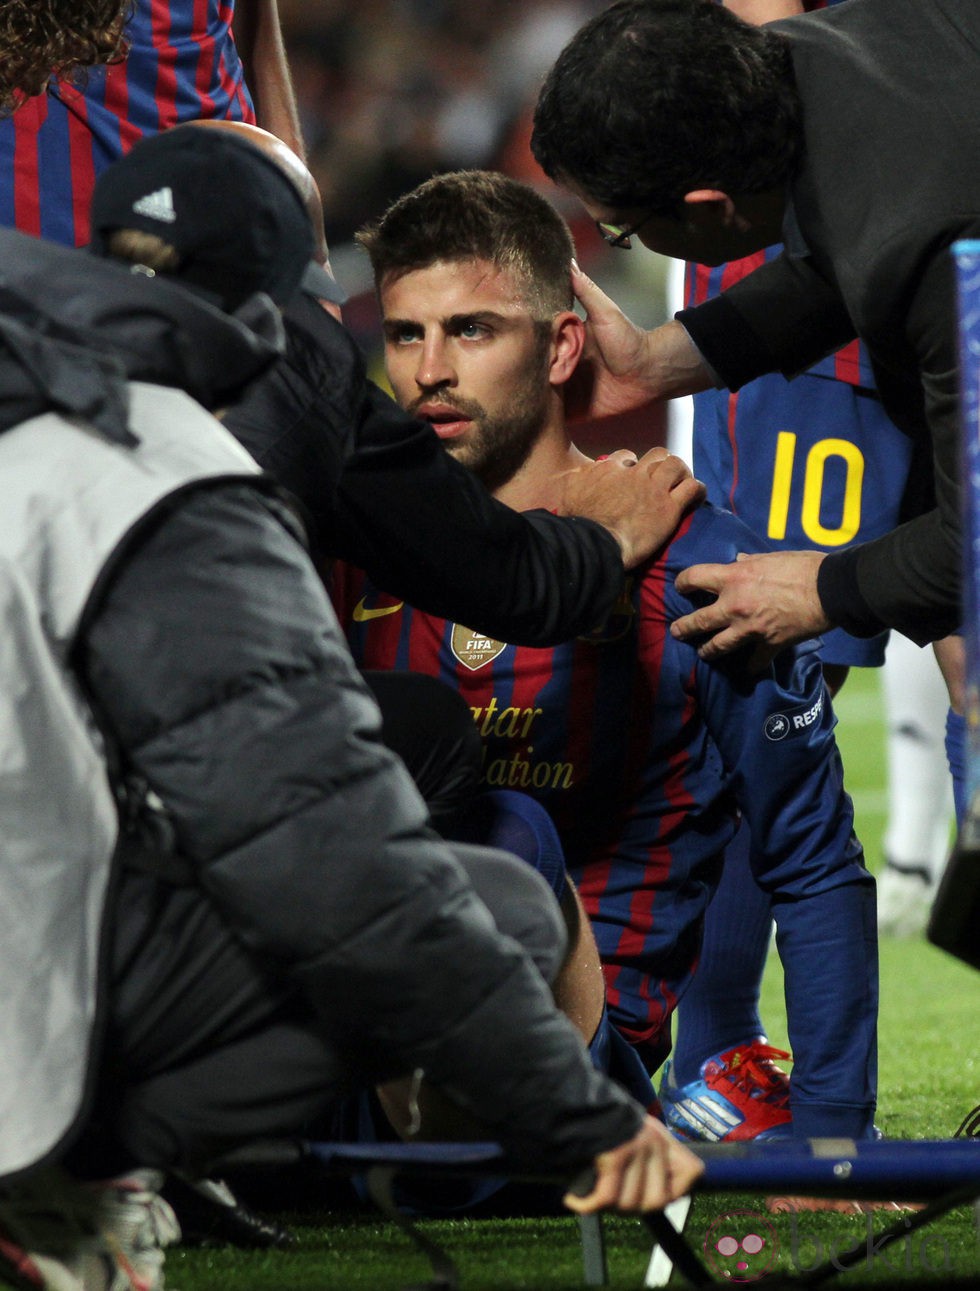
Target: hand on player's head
{"type": "Point", "coordinates": [624, 368]}
{"type": "Point", "coordinates": [611, 376]}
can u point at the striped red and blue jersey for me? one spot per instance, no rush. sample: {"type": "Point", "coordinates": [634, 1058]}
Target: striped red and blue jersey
{"type": "Point", "coordinates": [182, 65]}
{"type": "Point", "coordinates": [644, 755]}
{"type": "Point", "coordinates": [808, 463]}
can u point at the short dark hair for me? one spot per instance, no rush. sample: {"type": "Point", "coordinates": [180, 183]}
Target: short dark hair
{"type": "Point", "coordinates": [477, 215]}
{"type": "Point", "coordinates": [40, 39]}
{"type": "Point", "coordinates": [652, 99]}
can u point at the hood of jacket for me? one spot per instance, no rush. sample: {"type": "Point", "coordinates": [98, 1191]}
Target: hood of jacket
{"type": "Point", "coordinates": [74, 329]}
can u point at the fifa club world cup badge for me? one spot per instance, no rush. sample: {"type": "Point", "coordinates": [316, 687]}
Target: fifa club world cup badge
{"type": "Point", "coordinates": [474, 649]}
{"type": "Point", "coordinates": [741, 1246]}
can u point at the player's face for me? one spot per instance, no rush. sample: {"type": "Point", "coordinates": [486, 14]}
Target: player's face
{"type": "Point", "coordinates": [463, 352]}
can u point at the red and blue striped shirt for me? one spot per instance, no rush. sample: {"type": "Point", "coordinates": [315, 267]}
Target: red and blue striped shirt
{"type": "Point", "coordinates": [182, 65]}
{"type": "Point", "coordinates": [644, 755]}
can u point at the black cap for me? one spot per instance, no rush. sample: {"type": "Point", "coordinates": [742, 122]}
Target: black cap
{"type": "Point", "coordinates": [318, 281]}
{"type": "Point", "coordinates": [234, 217]}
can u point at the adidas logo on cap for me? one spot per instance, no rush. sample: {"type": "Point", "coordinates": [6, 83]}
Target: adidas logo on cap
{"type": "Point", "coordinates": [158, 205]}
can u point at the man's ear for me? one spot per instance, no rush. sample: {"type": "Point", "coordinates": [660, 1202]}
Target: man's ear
{"type": "Point", "coordinates": [711, 206]}
{"type": "Point", "coordinates": [567, 342]}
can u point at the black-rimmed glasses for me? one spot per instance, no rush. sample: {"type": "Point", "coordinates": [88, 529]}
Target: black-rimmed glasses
{"type": "Point", "coordinates": [618, 235]}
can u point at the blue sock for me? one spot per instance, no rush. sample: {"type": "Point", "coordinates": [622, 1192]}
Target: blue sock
{"type": "Point", "coordinates": [828, 945]}
{"type": "Point", "coordinates": [956, 757]}
{"type": "Point", "coordinates": [720, 1008]}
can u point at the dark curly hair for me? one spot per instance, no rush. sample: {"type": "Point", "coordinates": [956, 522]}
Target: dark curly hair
{"type": "Point", "coordinates": [654, 98]}
{"type": "Point", "coordinates": [40, 39]}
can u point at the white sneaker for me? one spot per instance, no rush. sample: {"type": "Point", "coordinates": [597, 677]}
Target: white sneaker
{"type": "Point", "coordinates": [905, 898]}
{"type": "Point", "coordinates": [57, 1234]}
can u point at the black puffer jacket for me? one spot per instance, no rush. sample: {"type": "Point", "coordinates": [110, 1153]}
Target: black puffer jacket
{"type": "Point", "coordinates": [218, 662]}
{"type": "Point", "coordinates": [380, 491]}
{"type": "Point", "coordinates": [74, 330]}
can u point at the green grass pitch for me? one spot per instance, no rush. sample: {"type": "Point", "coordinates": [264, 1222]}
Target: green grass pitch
{"type": "Point", "coordinates": [929, 1080]}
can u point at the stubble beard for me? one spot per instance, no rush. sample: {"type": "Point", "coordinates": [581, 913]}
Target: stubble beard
{"type": "Point", "coordinates": [496, 447]}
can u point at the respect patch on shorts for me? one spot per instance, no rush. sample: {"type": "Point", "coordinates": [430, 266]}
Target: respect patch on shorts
{"type": "Point", "coordinates": [790, 721]}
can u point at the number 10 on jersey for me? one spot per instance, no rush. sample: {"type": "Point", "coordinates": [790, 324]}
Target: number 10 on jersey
{"type": "Point", "coordinates": [814, 487]}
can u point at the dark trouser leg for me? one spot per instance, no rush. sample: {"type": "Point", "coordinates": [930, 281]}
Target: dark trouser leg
{"type": "Point", "coordinates": [207, 1051]}
{"type": "Point", "coordinates": [522, 904]}
{"type": "Point", "coordinates": [430, 727]}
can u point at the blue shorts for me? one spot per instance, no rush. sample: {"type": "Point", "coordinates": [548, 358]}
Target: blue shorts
{"type": "Point", "coordinates": [807, 463]}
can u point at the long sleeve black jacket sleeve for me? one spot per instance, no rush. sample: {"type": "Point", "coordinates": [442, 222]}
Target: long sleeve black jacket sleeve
{"type": "Point", "coordinates": [380, 491]}
{"type": "Point", "coordinates": [218, 667]}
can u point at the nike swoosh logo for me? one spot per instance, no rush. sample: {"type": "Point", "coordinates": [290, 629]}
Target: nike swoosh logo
{"type": "Point", "coordinates": [362, 614]}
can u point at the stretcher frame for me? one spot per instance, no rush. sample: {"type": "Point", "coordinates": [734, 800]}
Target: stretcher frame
{"type": "Point", "coordinates": [937, 1174]}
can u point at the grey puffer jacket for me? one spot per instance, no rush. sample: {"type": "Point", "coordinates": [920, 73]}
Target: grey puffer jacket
{"type": "Point", "coordinates": [86, 456]}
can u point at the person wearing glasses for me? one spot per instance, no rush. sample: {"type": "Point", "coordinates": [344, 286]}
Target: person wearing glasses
{"type": "Point", "coordinates": [811, 463]}
{"type": "Point", "coordinates": [716, 139]}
